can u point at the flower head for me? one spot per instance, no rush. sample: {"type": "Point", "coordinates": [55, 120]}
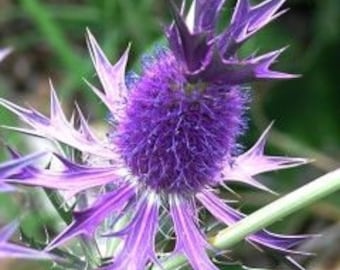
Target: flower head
{"type": "Point", "coordinates": [173, 138]}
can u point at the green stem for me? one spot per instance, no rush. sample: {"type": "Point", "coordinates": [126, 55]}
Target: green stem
{"type": "Point", "coordinates": [288, 204]}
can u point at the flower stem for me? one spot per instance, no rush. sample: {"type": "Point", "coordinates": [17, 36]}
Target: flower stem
{"type": "Point", "coordinates": [288, 204]}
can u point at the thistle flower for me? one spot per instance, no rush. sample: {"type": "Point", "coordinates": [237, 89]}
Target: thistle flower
{"type": "Point", "coordinates": [172, 140]}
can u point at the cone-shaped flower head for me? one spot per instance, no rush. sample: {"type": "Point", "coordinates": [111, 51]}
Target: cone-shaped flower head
{"type": "Point", "coordinates": [175, 135]}
{"type": "Point", "coordinates": [173, 138]}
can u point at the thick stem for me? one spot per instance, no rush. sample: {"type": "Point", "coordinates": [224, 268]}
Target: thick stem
{"type": "Point", "coordinates": [288, 204]}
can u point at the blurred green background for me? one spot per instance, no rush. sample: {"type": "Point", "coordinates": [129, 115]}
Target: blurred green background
{"type": "Point", "coordinates": [48, 38]}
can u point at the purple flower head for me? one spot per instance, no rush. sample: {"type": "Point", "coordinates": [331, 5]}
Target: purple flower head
{"type": "Point", "coordinates": [173, 140]}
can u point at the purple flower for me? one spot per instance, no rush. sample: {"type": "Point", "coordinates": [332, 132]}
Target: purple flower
{"type": "Point", "coordinates": [173, 138]}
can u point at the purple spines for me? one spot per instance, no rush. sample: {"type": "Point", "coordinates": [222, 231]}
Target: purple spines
{"type": "Point", "coordinates": [175, 135]}
{"type": "Point", "coordinates": [244, 167]}
{"type": "Point", "coordinates": [211, 56]}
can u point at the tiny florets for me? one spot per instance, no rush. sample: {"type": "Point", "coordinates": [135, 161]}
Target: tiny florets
{"type": "Point", "coordinates": [175, 135]}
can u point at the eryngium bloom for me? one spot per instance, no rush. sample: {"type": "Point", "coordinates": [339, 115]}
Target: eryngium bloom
{"type": "Point", "coordinates": [172, 140]}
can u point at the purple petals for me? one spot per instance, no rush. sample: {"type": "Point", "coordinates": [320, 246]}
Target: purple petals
{"type": "Point", "coordinates": [57, 127]}
{"type": "Point", "coordinates": [73, 178]}
{"type": "Point", "coordinates": [139, 236]}
{"type": "Point", "coordinates": [112, 77]}
{"type": "Point", "coordinates": [9, 250]}
{"type": "Point", "coordinates": [189, 240]}
{"type": "Point", "coordinates": [224, 213]}
{"type": "Point", "coordinates": [259, 67]}
{"type": "Point", "coordinates": [253, 162]}
{"type": "Point", "coordinates": [86, 222]}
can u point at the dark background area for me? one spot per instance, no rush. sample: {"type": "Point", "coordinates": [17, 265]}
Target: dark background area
{"type": "Point", "coordinates": [48, 38]}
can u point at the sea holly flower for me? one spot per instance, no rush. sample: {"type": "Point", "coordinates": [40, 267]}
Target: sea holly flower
{"type": "Point", "coordinates": [172, 140]}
